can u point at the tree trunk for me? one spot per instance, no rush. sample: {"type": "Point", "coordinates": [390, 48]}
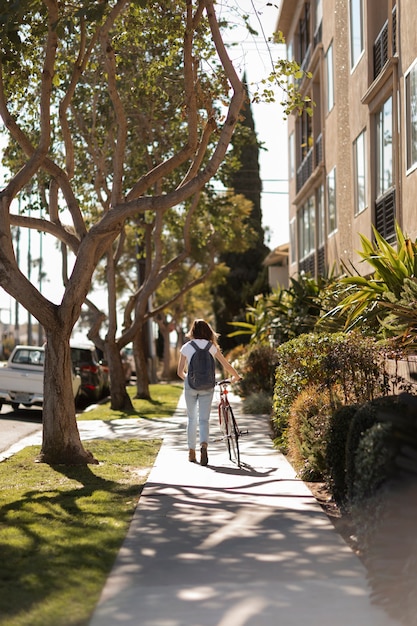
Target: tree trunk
{"type": "Point", "coordinates": [141, 361]}
{"type": "Point", "coordinates": [165, 329]}
{"type": "Point", "coordinates": [120, 399]}
{"type": "Point", "coordinates": [61, 443]}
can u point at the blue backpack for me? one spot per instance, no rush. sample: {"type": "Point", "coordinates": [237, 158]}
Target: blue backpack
{"type": "Point", "coordinates": [201, 369]}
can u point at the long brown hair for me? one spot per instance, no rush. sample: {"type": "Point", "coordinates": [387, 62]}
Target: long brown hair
{"type": "Point", "coordinates": [201, 329]}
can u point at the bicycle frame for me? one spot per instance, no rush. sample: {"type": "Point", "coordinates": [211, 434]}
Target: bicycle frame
{"type": "Point", "coordinates": [228, 424]}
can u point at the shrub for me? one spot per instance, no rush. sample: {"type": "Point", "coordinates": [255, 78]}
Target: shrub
{"type": "Point", "coordinates": [236, 355]}
{"type": "Point", "coordinates": [337, 434]}
{"type": "Point", "coordinates": [387, 532]}
{"type": "Point", "coordinates": [373, 463]}
{"type": "Point", "coordinates": [356, 363]}
{"type": "Point", "coordinates": [299, 363]}
{"type": "Point", "coordinates": [365, 418]}
{"type": "Point", "coordinates": [349, 361]}
{"type": "Point", "coordinates": [309, 419]}
{"type": "Point", "coordinates": [258, 370]}
{"type": "Point", "coordinates": [259, 403]}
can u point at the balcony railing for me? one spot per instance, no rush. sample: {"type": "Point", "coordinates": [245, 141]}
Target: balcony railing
{"type": "Point", "coordinates": [318, 150]}
{"type": "Point", "coordinates": [312, 159]}
{"type": "Point", "coordinates": [381, 52]}
{"type": "Point", "coordinates": [321, 262]}
{"type": "Point", "coordinates": [304, 66]}
{"type": "Point", "coordinates": [385, 216]}
{"type": "Point", "coordinates": [308, 264]}
{"type": "Point", "coordinates": [305, 170]}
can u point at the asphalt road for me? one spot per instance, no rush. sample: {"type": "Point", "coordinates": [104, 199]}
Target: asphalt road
{"type": "Point", "coordinates": [15, 425]}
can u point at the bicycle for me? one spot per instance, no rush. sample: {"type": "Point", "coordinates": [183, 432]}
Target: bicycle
{"type": "Point", "coordinates": [228, 424]}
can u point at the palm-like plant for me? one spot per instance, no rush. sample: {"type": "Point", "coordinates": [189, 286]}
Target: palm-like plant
{"type": "Point", "coordinates": [284, 313]}
{"type": "Point", "coordinates": [257, 324]}
{"type": "Point", "coordinates": [387, 297]}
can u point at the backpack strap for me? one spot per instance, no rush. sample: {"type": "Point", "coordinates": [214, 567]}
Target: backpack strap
{"type": "Point", "coordinates": [196, 347]}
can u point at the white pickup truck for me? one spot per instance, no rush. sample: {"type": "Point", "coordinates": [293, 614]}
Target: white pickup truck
{"type": "Point", "coordinates": [21, 378]}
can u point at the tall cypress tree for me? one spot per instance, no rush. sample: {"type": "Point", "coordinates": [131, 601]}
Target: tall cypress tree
{"type": "Point", "coordinates": [248, 277]}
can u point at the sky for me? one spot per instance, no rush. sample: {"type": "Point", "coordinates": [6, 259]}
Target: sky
{"type": "Point", "coordinates": [254, 56]}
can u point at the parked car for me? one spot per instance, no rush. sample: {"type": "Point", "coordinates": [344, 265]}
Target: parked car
{"type": "Point", "coordinates": [126, 364]}
{"type": "Point", "coordinates": [21, 378]}
{"type": "Point", "coordinates": [94, 378]}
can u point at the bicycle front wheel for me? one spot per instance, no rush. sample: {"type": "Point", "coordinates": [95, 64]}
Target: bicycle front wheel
{"type": "Point", "coordinates": [224, 426]}
{"type": "Point", "coordinates": [233, 438]}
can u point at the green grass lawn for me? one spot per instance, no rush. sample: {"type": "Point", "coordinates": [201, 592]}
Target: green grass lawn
{"type": "Point", "coordinates": [62, 526]}
{"type": "Point", "coordinates": [163, 404]}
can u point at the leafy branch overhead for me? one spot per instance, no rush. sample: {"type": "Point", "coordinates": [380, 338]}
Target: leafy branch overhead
{"type": "Point", "coordinates": [286, 77]}
{"type": "Point", "coordinates": [115, 112]}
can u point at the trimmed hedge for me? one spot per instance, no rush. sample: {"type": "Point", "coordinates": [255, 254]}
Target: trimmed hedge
{"type": "Point", "coordinates": [384, 505]}
{"type": "Point", "coordinates": [366, 450]}
{"type": "Point", "coordinates": [338, 432]}
{"type": "Point", "coordinates": [364, 419]}
{"type": "Point", "coordinates": [308, 433]}
{"type": "Point", "coordinates": [349, 363]}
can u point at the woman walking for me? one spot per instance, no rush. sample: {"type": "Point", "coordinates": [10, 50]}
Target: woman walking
{"type": "Point", "coordinates": [197, 399]}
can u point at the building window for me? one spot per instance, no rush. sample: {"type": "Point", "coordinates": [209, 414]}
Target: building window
{"type": "Point", "coordinates": [306, 134]}
{"type": "Point", "coordinates": [411, 116]}
{"type": "Point", "coordinates": [306, 229]}
{"type": "Point", "coordinates": [318, 18]}
{"type": "Point", "coordinates": [318, 15]}
{"type": "Point", "coordinates": [291, 155]}
{"type": "Point", "coordinates": [384, 151]}
{"type": "Point", "coordinates": [331, 202]}
{"type": "Point", "coordinates": [304, 37]}
{"type": "Point", "coordinates": [321, 220]}
{"type": "Point", "coordinates": [359, 165]}
{"type": "Point", "coordinates": [292, 241]}
{"type": "Point", "coordinates": [356, 31]}
{"type": "Point", "coordinates": [330, 78]}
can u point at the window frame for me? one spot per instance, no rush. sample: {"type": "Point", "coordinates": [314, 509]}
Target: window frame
{"type": "Point", "coordinates": [383, 185]}
{"type": "Point", "coordinates": [307, 229]}
{"type": "Point", "coordinates": [355, 56]}
{"type": "Point", "coordinates": [291, 155]}
{"type": "Point", "coordinates": [293, 241]}
{"type": "Point", "coordinates": [318, 15]}
{"type": "Point", "coordinates": [360, 173]}
{"type": "Point", "coordinates": [321, 217]}
{"type": "Point", "coordinates": [330, 99]}
{"type": "Point", "coordinates": [331, 202]}
{"type": "Point", "coordinates": [410, 151]}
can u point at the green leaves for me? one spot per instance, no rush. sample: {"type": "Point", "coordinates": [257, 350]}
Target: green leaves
{"type": "Point", "coordinates": [388, 297]}
{"type": "Point", "coordinates": [16, 17]}
{"type": "Point", "coordinates": [284, 313]}
{"type": "Point", "coordinates": [286, 77]}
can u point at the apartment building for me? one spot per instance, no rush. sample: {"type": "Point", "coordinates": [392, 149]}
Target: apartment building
{"type": "Point", "coordinates": [353, 164]}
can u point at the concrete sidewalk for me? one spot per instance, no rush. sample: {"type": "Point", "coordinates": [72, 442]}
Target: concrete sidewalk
{"type": "Point", "coordinates": [223, 546]}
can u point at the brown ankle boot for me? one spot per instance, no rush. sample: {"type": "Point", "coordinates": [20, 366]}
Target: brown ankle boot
{"type": "Point", "coordinates": [203, 451]}
{"type": "Point", "coordinates": [191, 456]}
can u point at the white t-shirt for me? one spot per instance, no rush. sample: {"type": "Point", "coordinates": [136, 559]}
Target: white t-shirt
{"type": "Point", "coordinates": [188, 350]}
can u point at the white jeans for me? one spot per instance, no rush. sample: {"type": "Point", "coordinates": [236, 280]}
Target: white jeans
{"type": "Point", "coordinates": [198, 405]}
